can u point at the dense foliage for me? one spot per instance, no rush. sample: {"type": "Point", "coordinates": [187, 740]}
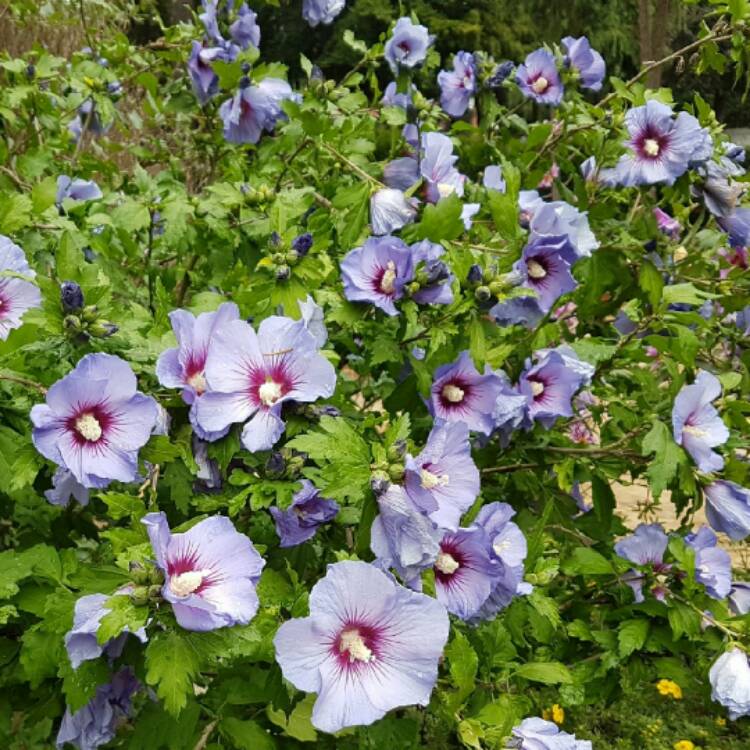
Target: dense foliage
{"type": "Point", "coordinates": [406, 301]}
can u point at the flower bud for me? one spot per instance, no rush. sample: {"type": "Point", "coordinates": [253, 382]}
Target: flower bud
{"type": "Point", "coordinates": [102, 329]}
{"type": "Point", "coordinates": [72, 323]}
{"type": "Point", "coordinates": [283, 273]}
{"type": "Point", "coordinates": [245, 68]}
{"type": "Point", "coordinates": [244, 82]}
{"type": "Point", "coordinates": [474, 276]}
{"type": "Point", "coordinates": [379, 483]}
{"type": "Point", "coordinates": [139, 595]}
{"type": "Point", "coordinates": [154, 592]}
{"type": "Point", "coordinates": [90, 313]}
{"type": "Point", "coordinates": [396, 472]}
{"type": "Point", "coordinates": [138, 573]}
{"type": "Point", "coordinates": [397, 450]}
{"type": "Point", "coordinates": [501, 72]}
{"type": "Point", "coordinates": [483, 294]}
{"type": "Point", "coordinates": [436, 271]}
{"type": "Point", "coordinates": [275, 464]}
{"type": "Point", "coordinates": [71, 296]}
{"type": "Point", "coordinates": [30, 72]}
{"type": "Point", "coordinates": [302, 244]}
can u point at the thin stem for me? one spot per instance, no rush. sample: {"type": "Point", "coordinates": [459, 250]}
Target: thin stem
{"type": "Point", "coordinates": [351, 165]}
{"type": "Point", "coordinates": [24, 381]}
{"type": "Point", "coordinates": [510, 468]}
{"type": "Point", "coordinates": [182, 287]}
{"type": "Point", "coordinates": [288, 162]}
{"type": "Point", "coordinates": [205, 734]}
{"type": "Point", "coordinates": [87, 33]}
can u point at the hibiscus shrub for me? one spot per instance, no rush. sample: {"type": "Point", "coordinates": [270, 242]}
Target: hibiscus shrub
{"type": "Point", "coordinates": [317, 397]}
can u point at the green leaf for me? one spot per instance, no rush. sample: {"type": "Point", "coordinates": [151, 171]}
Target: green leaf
{"type": "Point", "coordinates": [684, 294]}
{"type": "Point", "coordinates": [121, 505]}
{"type": "Point", "coordinates": [470, 733]}
{"type": "Point", "coordinates": [343, 455]}
{"type": "Point", "coordinates": [683, 620]}
{"type": "Point", "coordinates": [15, 212]}
{"type": "Point", "coordinates": [246, 735]}
{"type": "Point", "coordinates": [441, 221]}
{"type": "Point", "coordinates": [122, 614]}
{"type": "Point", "coordinates": [504, 209]}
{"type": "Point", "coordinates": [667, 457]}
{"type": "Point", "coordinates": [651, 281]}
{"type": "Point", "coordinates": [463, 662]}
{"type": "Point", "coordinates": [172, 664]}
{"type": "Point", "coordinates": [604, 501]}
{"type": "Point", "coordinates": [587, 561]}
{"type": "Point", "coordinates": [546, 672]}
{"type": "Point", "coordinates": [298, 724]}
{"type": "Point", "coordinates": [631, 636]}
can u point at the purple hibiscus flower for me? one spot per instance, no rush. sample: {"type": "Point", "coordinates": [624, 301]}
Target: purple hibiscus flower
{"type": "Point", "coordinates": [434, 276]}
{"type": "Point", "coordinates": [210, 572]}
{"type": "Point", "coordinates": [539, 79]}
{"type": "Point", "coordinates": [549, 387]}
{"type": "Point", "coordinates": [460, 394]}
{"type": "Point", "coordinates": [184, 366]}
{"type": "Point", "coordinates": [667, 225]}
{"type": "Point", "coordinates": [401, 173]}
{"type": "Point", "coordinates": [556, 218]}
{"type": "Point", "coordinates": [368, 646]}
{"type": "Point", "coordinates": [313, 319]}
{"type": "Point", "coordinates": [538, 734]}
{"type": "Point", "coordinates": [739, 598]}
{"type": "Point", "coordinates": [586, 61]}
{"type": "Point", "coordinates": [737, 226]}
{"type": "Point", "coordinates": [96, 723]}
{"type": "Point", "coordinates": [76, 190]}
{"type": "Point", "coordinates": [16, 295]}
{"type": "Point", "coordinates": [525, 311]}
{"type": "Point", "coordinates": [730, 683]}
{"type": "Point", "coordinates": [301, 519]}
{"type": "Point", "coordinates": [392, 97]}
{"type": "Point", "coordinates": [493, 179]}
{"type": "Point", "coordinates": [508, 552]}
{"type": "Point", "coordinates": [81, 642]}
{"type": "Point", "coordinates": [443, 480]}
{"type": "Point", "coordinates": [255, 108]}
{"type": "Point", "coordinates": [728, 509]}
{"type": "Point", "coordinates": [377, 272]}
{"type": "Point", "coordinates": [407, 46]}
{"type": "Point", "coordinates": [391, 210]}
{"type": "Point", "coordinates": [245, 30]}
{"type": "Point", "coordinates": [510, 412]}
{"type": "Point", "coordinates": [457, 86]}
{"type": "Point", "coordinates": [95, 421]}
{"type": "Point", "coordinates": [321, 11]}
{"type": "Point", "coordinates": [402, 537]}
{"type": "Point", "coordinates": [65, 486]}
{"type": "Point", "coordinates": [544, 267]}
{"type": "Point", "coordinates": [437, 168]}
{"type": "Point", "coordinates": [251, 375]}
{"type": "Point", "coordinates": [210, 21]}
{"type": "Point", "coordinates": [661, 146]}
{"type": "Point", "coordinates": [464, 571]}
{"type": "Point", "coordinates": [713, 566]}
{"type": "Point", "coordinates": [719, 191]}
{"type": "Point", "coordinates": [697, 425]}
{"type": "Point", "coordinates": [645, 547]}
{"type": "Point", "coordinates": [204, 81]}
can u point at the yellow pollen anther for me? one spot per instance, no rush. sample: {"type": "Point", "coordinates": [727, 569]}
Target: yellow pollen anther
{"type": "Point", "coordinates": [269, 392]}
{"type": "Point", "coordinates": [453, 393]}
{"type": "Point", "coordinates": [445, 189]}
{"type": "Point", "coordinates": [185, 583]}
{"type": "Point", "coordinates": [88, 426]}
{"type": "Point", "coordinates": [429, 480]}
{"type": "Point", "coordinates": [540, 85]}
{"type": "Point", "coordinates": [651, 147]}
{"type": "Point", "coordinates": [536, 270]}
{"type": "Point", "coordinates": [446, 563]}
{"type": "Point", "coordinates": [198, 383]}
{"type": "Point", "coordinates": [695, 431]}
{"type": "Point", "coordinates": [388, 282]}
{"type": "Point", "coordinates": [537, 388]}
{"type": "Point", "coordinates": [353, 643]}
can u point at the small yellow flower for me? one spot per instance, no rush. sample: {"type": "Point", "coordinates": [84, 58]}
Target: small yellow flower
{"type": "Point", "coordinates": [556, 714]}
{"type": "Point", "coordinates": [684, 745]}
{"type": "Point", "coordinates": [670, 688]}
{"type": "Point", "coordinates": [721, 721]}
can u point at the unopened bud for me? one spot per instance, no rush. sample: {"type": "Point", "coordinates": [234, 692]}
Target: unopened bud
{"type": "Point", "coordinates": [71, 296]}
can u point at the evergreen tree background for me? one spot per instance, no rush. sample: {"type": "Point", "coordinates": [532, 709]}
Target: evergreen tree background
{"type": "Point", "coordinates": [507, 29]}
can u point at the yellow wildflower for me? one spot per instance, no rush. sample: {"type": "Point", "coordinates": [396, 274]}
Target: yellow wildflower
{"type": "Point", "coordinates": [670, 688]}
{"type": "Point", "coordinates": [556, 714]}
{"type": "Point", "coordinates": [684, 745]}
{"type": "Point", "coordinates": [721, 721]}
